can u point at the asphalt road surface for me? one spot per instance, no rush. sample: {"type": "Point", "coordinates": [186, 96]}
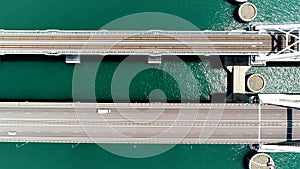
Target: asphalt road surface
{"type": "Point", "coordinates": [148, 123]}
{"type": "Point", "coordinates": [87, 42]}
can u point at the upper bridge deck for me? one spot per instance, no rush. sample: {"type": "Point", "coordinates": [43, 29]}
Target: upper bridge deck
{"type": "Point", "coordinates": [55, 42]}
{"type": "Point", "coordinates": [263, 42]}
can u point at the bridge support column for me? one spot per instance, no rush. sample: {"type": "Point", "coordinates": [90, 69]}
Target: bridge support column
{"type": "Point", "coordinates": [239, 79]}
{"type": "Point", "coordinates": [154, 59]}
{"type": "Point", "coordinates": [238, 83]}
{"type": "Point", "coordinates": [237, 68]}
{"type": "Point", "coordinates": [73, 59]}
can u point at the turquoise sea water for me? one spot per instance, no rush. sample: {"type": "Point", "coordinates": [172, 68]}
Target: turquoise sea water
{"type": "Point", "coordinates": [40, 78]}
{"type": "Point", "coordinates": [62, 156]}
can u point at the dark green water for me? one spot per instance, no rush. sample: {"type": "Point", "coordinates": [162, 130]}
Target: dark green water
{"type": "Point", "coordinates": [62, 156]}
{"type": "Point", "coordinates": [43, 78]}
{"type": "Point", "coordinates": [46, 78]}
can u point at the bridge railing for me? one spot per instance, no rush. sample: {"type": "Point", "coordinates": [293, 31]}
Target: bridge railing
{"type": "Point", "coordinates": [55, 32]}
{"type": "Point", "coordinates": [126, 52]}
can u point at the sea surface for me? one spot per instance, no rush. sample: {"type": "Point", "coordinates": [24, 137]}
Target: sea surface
{"type": "Point", "coordinates": [41, 78]}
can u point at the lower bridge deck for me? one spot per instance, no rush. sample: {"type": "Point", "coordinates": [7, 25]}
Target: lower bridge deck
{"type": "Point", "coordinates": [148, 123]}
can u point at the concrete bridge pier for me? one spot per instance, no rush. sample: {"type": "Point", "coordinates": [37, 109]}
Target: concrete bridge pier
{"type": "Point", "coordinates": [239, 83]}
{"type": "Point", "coordinates": [237, 78]}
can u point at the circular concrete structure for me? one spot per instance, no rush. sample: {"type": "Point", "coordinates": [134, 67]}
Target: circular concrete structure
{"type": "Point", "coordinates": [247, 12]}
{"type": "Point", "coordinates": [256, 83]}
{"type": "Point", "coordinates": [261, 161]}
{"type": "Point", "coordinates": [241, 1]}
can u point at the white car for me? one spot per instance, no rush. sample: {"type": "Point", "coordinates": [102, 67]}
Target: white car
{"type": "Point", "coordinates": [12, 133]}
{"type": "Point", "coordinates": [103, 111]}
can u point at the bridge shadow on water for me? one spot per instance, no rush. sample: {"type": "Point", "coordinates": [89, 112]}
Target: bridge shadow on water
{"type": "Point", "coordinates": [247, 157]}
{"type": "Point", "coordinates": [233, 2]}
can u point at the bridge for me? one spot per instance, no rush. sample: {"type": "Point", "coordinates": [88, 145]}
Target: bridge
{"type": "Point", "coordinates": [154, 123]}
{"type": "Point", "coordinates": [158, 123]}
{"type": "Point", "coordinates": [151, 42]}
{"type": "Point", "coordinates": [263, 42]}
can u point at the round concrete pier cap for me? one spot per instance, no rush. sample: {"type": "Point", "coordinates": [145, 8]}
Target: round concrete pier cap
{"type": "Point", "coordinates": [261, 161]}
{"type": "Point", "coordinates": [241, 1]}
{"type": "Point", "coordinates": [247, 12]}
{"type": "Point", "coordinates": [256, 83]}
